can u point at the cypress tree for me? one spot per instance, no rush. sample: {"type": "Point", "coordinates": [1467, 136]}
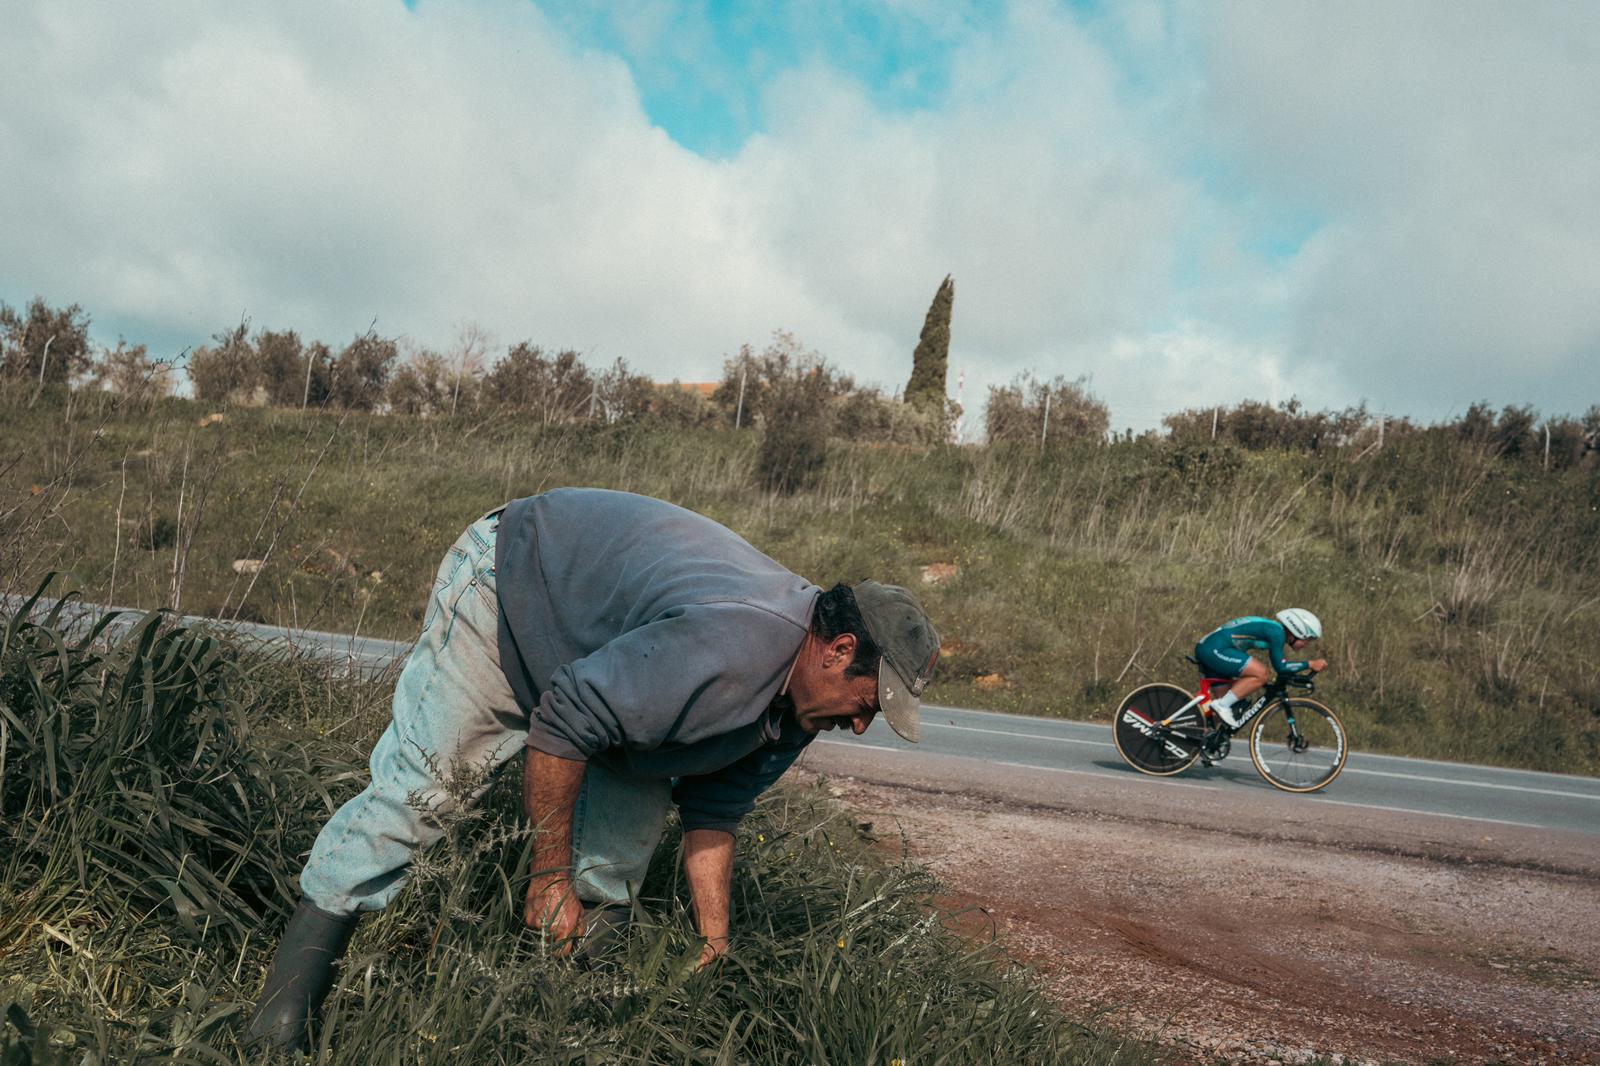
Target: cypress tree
{"type": "Point", "coordinates": [929, 361]}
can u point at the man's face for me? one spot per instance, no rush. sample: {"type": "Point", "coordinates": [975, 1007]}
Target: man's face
{"type": "Point", "coordinates": [823, 697]}
{"type": "Point", "coordinates": [1296, 644]}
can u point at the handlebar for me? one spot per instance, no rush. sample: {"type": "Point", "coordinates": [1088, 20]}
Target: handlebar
{"type": "Point", "coordinates": [1305, 681]}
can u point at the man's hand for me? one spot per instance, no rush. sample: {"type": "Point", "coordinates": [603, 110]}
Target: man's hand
{"type": "Point", "coordinates": [1318, 665]}
{"type": "Point", "coordinates": [715, 947]}
{"type": "Point", "coordinates": [554, 908]}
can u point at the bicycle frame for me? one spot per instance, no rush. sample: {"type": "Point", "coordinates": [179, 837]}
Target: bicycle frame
{"type": "Point", "coordinates": [1208, 685]}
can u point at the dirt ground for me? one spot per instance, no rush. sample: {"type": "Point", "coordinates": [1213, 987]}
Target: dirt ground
{"type": "Point", "coordinates": [1259, 938]}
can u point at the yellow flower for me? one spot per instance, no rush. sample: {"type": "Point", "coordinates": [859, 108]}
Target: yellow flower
{"type": "Point", "coordinates": [841, 943]}
{"type": "Point", "coordinates": [761, 837]}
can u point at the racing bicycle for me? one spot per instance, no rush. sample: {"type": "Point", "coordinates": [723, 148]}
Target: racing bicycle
{"type": "Point", "coordinates": [1296, 743]}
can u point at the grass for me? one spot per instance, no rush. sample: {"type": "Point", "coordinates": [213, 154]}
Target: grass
{"type": "Point", "coordinates": [160, 786]}
{"type": "Point", "coordinates": [1461, 590]}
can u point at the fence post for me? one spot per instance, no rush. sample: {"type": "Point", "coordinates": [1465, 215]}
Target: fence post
{"type": "Point", "coordinates": [44, 361]}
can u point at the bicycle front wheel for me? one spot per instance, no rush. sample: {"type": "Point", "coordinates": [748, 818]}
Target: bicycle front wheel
{"type": "Point", "coordinates": [1298, 745]}
{"type": "Point", "coordinates": [1147, 745]}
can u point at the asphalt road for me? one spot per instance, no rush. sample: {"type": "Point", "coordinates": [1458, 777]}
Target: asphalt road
{"type": "Point", "coordinates": [1379, 782]}
{"type": "Point", "coordinates": [1084, 750]}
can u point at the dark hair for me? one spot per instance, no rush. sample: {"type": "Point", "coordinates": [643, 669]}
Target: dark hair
{"type": "Point", "coordinates": [837, 614]}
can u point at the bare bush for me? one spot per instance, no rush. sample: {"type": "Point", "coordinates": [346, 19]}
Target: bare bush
{"type": "Point", "coordinates": [423, 385]}
{"type": "Point", "coordinates": [43, 345]}
{"type": "Point", "coordinates": [750, 382]}
{"type": "Point", "coordinates": [1030, 410]}
{"type": "Point", "coordinates": [226, 370]}
{"type": "Point", "coordinates": [553, 389]}
{"type": "Point", "coordinates": [281, 366]}
{"type": "Point", "coordinates": [361, 372]}
{"type": "Point", "coordinates": [681, 406]}
{"type": "Point", "coordinates": [623, 396]}
{"type": "Point", "coordinates": [128, 371]}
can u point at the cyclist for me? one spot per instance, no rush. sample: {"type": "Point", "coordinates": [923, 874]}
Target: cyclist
{"type": "Point", "coordinates": [1223, 652]}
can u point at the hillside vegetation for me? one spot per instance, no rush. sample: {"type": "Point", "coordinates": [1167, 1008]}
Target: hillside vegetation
{"type": "Point", "coordinates": [1456, 573]}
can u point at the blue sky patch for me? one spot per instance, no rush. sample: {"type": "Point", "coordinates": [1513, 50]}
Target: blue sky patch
{"type": "Point", "coordinates": [703, 69]}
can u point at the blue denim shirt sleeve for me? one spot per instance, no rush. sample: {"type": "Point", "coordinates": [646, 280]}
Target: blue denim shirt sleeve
{"type": "Point", "coordinates": [720, 800]}
{"type": "Point", "coordinates": [685, 678]}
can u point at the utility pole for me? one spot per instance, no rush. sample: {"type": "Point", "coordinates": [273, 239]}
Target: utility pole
{"type": "Point", "coordinates": [1547, 446]}
{"type": "Point", "coordinates": [1381, 421]}
{"type": "Point", "coordinates": [1045, 430]}
{"type": "Point", "coordinates": [1215, 411]}
{"type": "Point", "coordinates": [738, 412]}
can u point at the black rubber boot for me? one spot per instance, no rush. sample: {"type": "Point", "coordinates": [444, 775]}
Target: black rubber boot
{"type": "Point", "coordinates": [301, 974]}
{"type": "Point", "coordinates": [605, 925]}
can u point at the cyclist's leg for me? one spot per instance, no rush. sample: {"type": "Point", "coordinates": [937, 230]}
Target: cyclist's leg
{"type": "Point", "coordinates": [1228, 661]}
{"type": "Point", "coordinates": [1252, 678]}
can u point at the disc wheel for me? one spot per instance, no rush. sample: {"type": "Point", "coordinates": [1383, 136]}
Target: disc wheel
{"type": "Point", "coordinates": [1298, 745]}
{"type": "Point", "coordinates": [1144, 743]}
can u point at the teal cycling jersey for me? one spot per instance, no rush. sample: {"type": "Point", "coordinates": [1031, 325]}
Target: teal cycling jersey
{"type": "Point", "coordinates": [1251, 631]}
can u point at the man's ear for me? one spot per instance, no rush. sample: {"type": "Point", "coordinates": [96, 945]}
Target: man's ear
{"type": "Point", "coordinates": [841, 650]}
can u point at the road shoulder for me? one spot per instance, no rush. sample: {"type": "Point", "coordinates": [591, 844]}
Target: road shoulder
{"type": "Point", "coordinates": [1260, 931]}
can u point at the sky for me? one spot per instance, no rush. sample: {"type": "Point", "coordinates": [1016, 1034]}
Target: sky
{"type": "Point", "coordinates": [1187, 204]}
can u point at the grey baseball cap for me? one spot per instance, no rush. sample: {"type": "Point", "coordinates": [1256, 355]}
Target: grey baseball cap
{"type": "Point", "coordinates": [910, 645]}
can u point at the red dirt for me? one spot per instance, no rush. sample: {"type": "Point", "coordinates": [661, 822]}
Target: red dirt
{"type": "Point", "coordinates": [1233, 940]}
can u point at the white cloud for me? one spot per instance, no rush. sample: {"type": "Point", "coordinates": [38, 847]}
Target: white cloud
{"type": "Point", "coordinates": [1194, 366]}
{"type": "Point", "coordinates": [1033, 187]}
{"type": "Point", "coordinates": [1100, 187]}
{"type": "Point", "coordinates": [321, 167]}
{"type": "Point", "coordinates": [1452, 152]}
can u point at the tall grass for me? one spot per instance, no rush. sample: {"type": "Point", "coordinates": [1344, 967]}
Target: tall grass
{"type": "Point", "coordinates": [161, 787]}
{"type": "Point", "coordinates": [1459, 587]}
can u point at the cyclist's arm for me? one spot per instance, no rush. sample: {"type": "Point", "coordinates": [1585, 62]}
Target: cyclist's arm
{"type": "Point", "coordinates": [1279, 663]}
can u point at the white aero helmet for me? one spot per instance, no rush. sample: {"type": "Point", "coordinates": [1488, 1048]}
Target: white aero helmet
{"type": "Point", "coordinates": [1301, 623]}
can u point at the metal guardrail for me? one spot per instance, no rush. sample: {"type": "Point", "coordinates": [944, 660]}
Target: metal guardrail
{"type": "Point", "coordinates": [364, 656]}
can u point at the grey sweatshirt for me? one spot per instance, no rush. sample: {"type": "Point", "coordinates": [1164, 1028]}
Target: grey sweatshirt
{"type": "Point", "coordinates": [651, 639]}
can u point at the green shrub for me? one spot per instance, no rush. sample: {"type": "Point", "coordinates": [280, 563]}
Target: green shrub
{"type": "Point", "coordinates": [794, 433]}
{"type": "Point", "coordinates": [134, 773]}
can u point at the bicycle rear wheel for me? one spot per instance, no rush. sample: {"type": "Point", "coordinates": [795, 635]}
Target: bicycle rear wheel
{"type": "Point", "coordinates": [1148, 746]}
{"type": "Point", "coordinates": [1298, 745]}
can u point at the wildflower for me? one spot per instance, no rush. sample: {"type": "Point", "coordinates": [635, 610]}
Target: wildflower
{"type": "Point", "coordinates": [841, 943]}
{"type": "Point", "coordinates": [761, 838]}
